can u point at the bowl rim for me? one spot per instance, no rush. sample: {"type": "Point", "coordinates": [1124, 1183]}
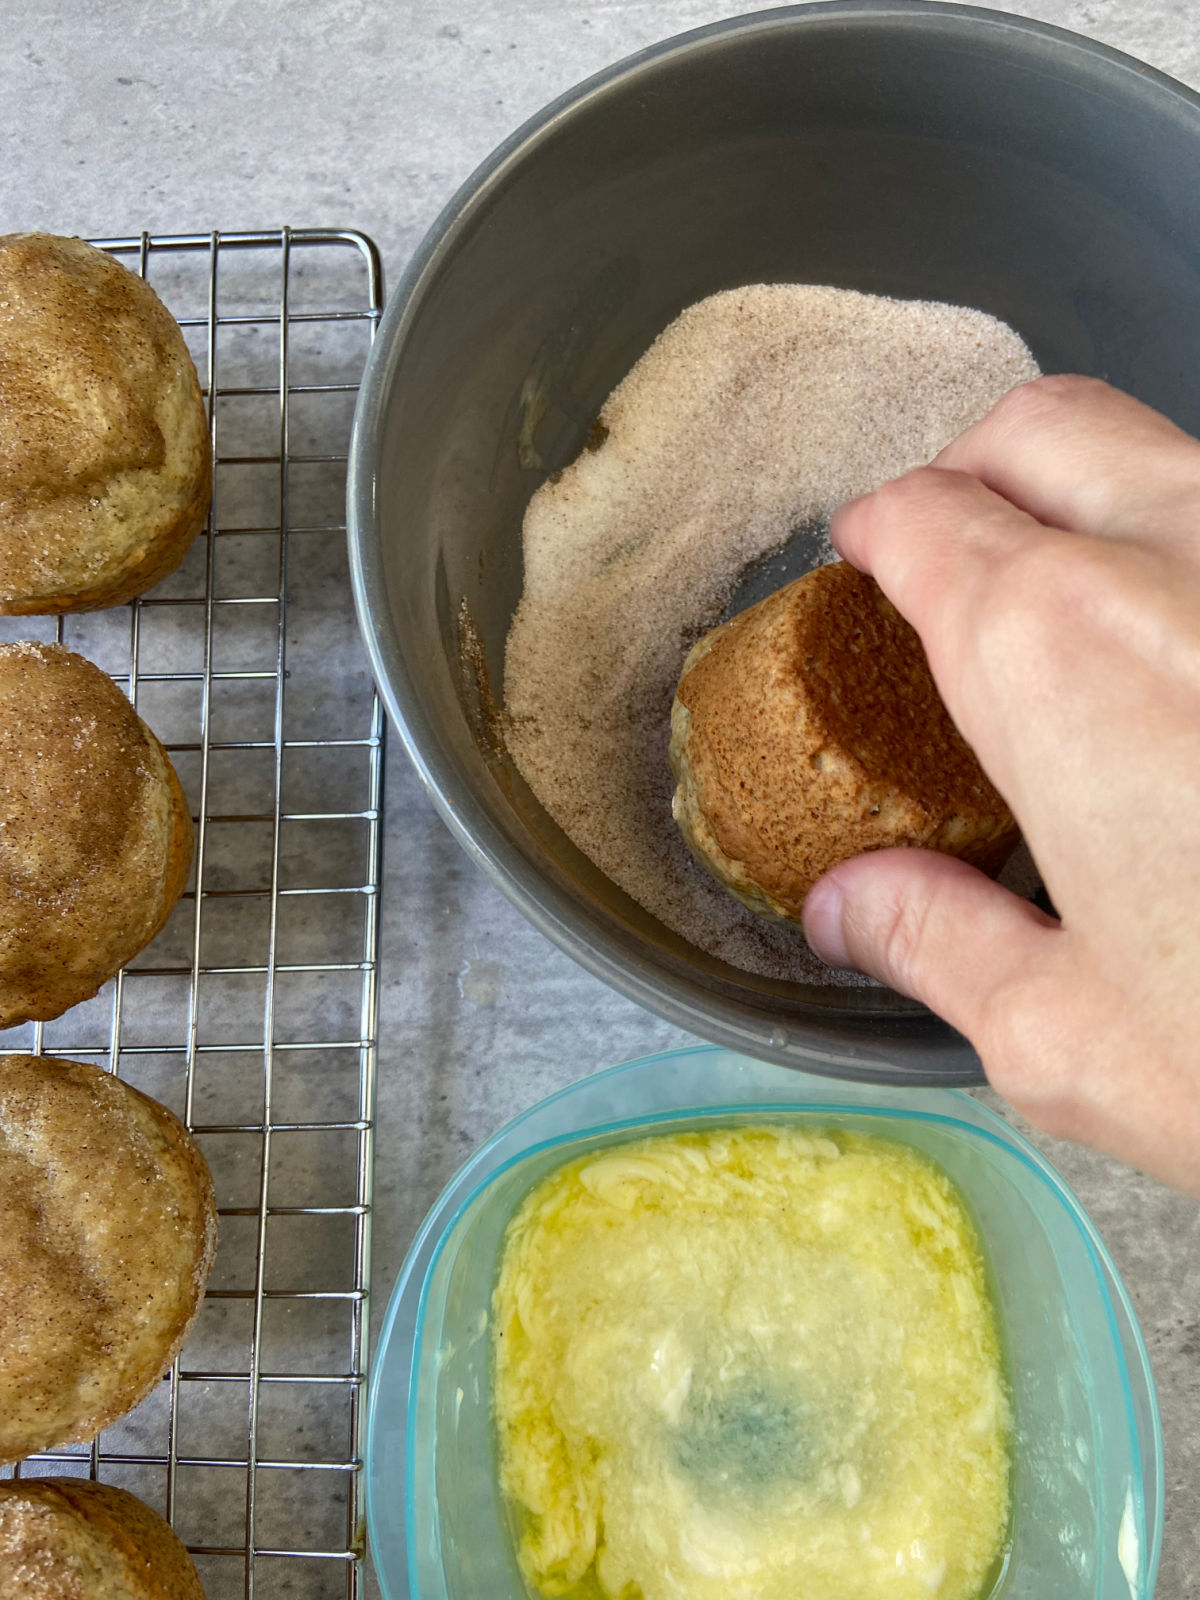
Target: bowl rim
{"type": "Point", "coordinates": [453, 1203]}
{"type": "Point", "coordinates": [912, 1046]}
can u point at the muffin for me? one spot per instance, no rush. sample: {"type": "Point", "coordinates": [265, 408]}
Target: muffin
{"type": "Point", "coordinates": [108, 1228]}
{"type": "Point", "coordinates": [95, 834]}
{"type": "Point", "coordinates": [808, 730]}
{"type": "Point", "coordinates": [105, 459]}
{"type": "Point", "coordinates": [69, 1539]}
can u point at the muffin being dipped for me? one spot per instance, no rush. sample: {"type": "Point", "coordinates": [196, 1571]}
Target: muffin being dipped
{"type": "Point", "coordinates": [808, 730]}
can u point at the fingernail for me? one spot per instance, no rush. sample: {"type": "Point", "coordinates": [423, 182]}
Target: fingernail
{"type": "Point", "coordinates": [823, 912]}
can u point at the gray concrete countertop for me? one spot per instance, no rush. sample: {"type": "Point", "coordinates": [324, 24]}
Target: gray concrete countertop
{"type": "Point", "coordinates": [176, 115]}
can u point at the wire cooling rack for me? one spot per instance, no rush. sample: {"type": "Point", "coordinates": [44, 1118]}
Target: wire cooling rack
{"type": "Point", "coordinates": [253, 1014]}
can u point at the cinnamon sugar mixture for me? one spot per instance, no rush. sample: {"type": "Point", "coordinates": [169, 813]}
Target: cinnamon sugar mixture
{"type": "Point", "coordinates": [753, 415]}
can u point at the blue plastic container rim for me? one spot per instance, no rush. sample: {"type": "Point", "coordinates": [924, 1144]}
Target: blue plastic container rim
{"type": "Point", "coordinates": [996, 1131]}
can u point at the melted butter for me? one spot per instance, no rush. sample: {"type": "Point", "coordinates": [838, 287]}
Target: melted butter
{"type": "Point", "coordinates": [753, 1364]}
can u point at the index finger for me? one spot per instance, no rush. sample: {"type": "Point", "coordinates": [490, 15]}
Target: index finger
{"type": "Point", "coordinates": [1079, 454]}
{"type": "Point", "coordinates": [933, 540]}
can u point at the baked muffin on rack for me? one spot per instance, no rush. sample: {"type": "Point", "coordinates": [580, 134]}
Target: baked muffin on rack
{"type": "Point", "coordinates": [70, 1539]}
{"type": "Point", "coordinates": [809, 729]}
{"type": "Point", "coordinates": [105, 459]}
{"type": "Point", "coordinates": [108, 1228]}
{"type": "Point", "coordinates": [95, 833]}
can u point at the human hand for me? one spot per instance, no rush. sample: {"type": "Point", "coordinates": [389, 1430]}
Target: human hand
{"type": "Point", "coordinates": [1050, 561]}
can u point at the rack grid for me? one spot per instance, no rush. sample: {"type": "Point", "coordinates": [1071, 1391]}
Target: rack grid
{"type": "Point", "coordinates": [253, 1014]}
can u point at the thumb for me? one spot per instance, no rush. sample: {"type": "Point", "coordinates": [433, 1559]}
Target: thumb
{"type": "Point", "coordinates": [932, 927]}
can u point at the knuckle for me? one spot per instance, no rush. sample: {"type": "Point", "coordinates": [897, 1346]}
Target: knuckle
{"type": "Point", "coordinates": [1036, 574]}
{"type": "Point", "coordinates": [898, 939]}
{"type": "Point", "coordinates": [1035, 594]}
{"type": "Point", "coordinates": [1031, 406]}
{"type": "Point", "coordinates": [902, 503]}
{"type": "Point", "coordinates": [914, 486]}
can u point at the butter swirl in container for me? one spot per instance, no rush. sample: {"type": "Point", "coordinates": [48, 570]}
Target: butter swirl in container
{"type": "Point", "coordinates": [751, 1363]}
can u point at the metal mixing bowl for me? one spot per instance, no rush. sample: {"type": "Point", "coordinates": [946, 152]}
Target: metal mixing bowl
{"type": "Point", "coordinates": [928, 151]}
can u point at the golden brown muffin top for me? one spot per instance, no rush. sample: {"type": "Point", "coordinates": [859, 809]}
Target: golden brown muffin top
{"type": "Point", "coordinates": [103, 437]}
{"type": "Point", "coordinates": [815, 731]}
{"type": "Point", "coordinates": [107, 1234]}
{"type": "Point", "coordinates": [70, 1539]}
{"type": "Point", "coordinates": [89, 830]}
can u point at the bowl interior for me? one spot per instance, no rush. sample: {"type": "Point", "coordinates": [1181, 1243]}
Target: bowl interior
{"type": "Point", "coordinates": [914, 150]}
{"type": "Point", "coordinates": [1087, 1474]}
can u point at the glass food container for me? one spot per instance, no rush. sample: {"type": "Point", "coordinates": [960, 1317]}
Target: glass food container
{"type": "Point", "coordinates": [1088, 1475]}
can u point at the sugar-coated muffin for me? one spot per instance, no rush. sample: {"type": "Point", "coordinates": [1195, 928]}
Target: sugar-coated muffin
{"type": "Point", "coordinates": [70, 1539]}
{"type": "Point", "coordinates": [108, 1228]}
{"type": "Point", "coordinates": [105, 455]}
{"type": "Point", "coordinates": [809, 729]}
{"type": "Point", "coordinates": [95, 833]}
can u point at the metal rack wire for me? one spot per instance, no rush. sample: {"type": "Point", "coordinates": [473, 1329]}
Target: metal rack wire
{"type": "Point", "coordinates": [254, 1013]}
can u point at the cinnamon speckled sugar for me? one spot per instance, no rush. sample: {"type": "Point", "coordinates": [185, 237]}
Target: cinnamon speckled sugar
{"type": "Point", "coordinates": [754, 414]}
